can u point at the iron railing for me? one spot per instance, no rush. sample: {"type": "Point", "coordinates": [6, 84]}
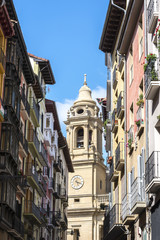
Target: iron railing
{"type": "Point", "coordinates": [18, 226]}
{"type": "Point", "coordinates": [152, 167]}
{"type": "Point", "coordinates": [115, 215]}
{"type": "Point", "coordinates": [137, 191]}
{"type": "Point", "coordinates": [42, 183]}
{"type": "Point", "coordinates": [23, 141]}
{"type": "Point", "coordinates": [35, 107]}
{"type": "Point", "coordinates": [120, 102]}
{"type": "Point", "coordinates": [51, 183]}
{"type": "Point", "coordinates": [153, 6]}
{"type": "Point", "coordinates": [2, 58]}
{"type": "Point", "coordinates": [150, 73]}
{"type": "Point", "coordinates": [25, 102]}
{"type": "Point", "coordinates": [111, 169]}
{"type": "Point", "coordinates": [31, 208]}
{"type": "Point", "coordinates": [130, 133]}
{"type": "Point", "coordinates": [114, 118]}
{"type": "Point", "coordinates": [31, 171]}
{"type": "Point", "coordinates": [43, 152]}
{"type": "Point", "coordinates": [32, 137]}
{"type": "Point", "coordinates": [114, 76]}
{"type": "Point", "coordinates": [119, 153]}
{"type": "Point", "coordinates": [126, 206]}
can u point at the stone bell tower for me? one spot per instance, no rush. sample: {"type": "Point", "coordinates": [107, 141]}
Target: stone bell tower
{"type": "Point", "coordinates": [87, 188]}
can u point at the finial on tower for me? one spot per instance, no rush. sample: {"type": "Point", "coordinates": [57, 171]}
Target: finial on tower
{"type": "Point", "coordinates": [85, 81]}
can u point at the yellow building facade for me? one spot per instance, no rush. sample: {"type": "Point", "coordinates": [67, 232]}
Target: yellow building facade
{"type": "Point", "coordinates": [87, 186]}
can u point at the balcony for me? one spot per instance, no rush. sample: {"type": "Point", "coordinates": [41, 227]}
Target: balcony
{"type": "Point", "coordinates": [17, 230]}
{"type": "Point", "coordinates": [11, 100]}
{"type": "Point", "coordinates": [63, 221]}
{"type": "Point", "coordinates": [32, 175]}
{"type": "Point", "coordinates": [152, 82]}
{"type": "Point", "coordinates": [23, 146]}
{"type": "Point", "coordinates": [52, 153]}
{"type": "Point", "coordinates": [34, 112]}
{"type": "Point", "coordinates": [127, 217]}
{"type": "Point", "coordinates": [153, 10]}
{"type": "Point", "coordinates": [120, 105]}
{"type": "Point", "coordinates": [49, 122]}
{"type": "Point", "coordinates": [113, 228]}
{"type": "Point", "coordinates": [42, 185]}
{"type": "Point", "coordinates": [9, 142]}
{"type": "Point", "coordinates": [119, 156]}
{"type": "Point", "coordinates": [152, 174]}
{"type": "Point", "coordinates": [25, 107]}
{"type": "Point", "coordinates": [63, 195]}
{"type": "Point", "coordinates": [32, 212]}
{"type": "Point", "coordinates": [43, 155]}
{"type": "Point", "coordinates": [114, 121]}
{"type": "Point", "coordinates": [51, 220]}
{"type": "Point", "coordinates": [51, 185]}
{"type": "Point", "coordinates": [33, 143]}
{"type": "Point", "coordinates": [140, 121]}
{"type": "Point", "coordinates": [6, 217]}
{"type": "Point", "coordinates": [138, 196]}
{"type": "Point", "coordinates": [44, 217]}
{"type": "Point", "coordinates": [56, 218]}
{"type": "Point", "coordinates": [1, 111]}
{"type": "Point", "coordinates": [2, 61]}
{"type": "Point", "coordinates": [130, 139]}
{"type": "Point", "coordinates": [46, 173]}
{"type": "Point", "coordinates": [21, 186]}
{"type": "Point", "coordinates": [57, 191]}
{"type": "Point", "coordinates": [115, 77]}
{"type": "Point", "coordinates": [58, 165]}
{"type": "Point", "coordinates": [114, 174]}
{"type": "Point", "coordinates": [47, 137]}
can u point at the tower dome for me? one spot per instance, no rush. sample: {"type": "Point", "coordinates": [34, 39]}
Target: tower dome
{"type": "Point", "coordinates": [85, 94]}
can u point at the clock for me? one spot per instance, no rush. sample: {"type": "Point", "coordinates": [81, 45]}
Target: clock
{"type": "Point", "coordinates": [77, 182]}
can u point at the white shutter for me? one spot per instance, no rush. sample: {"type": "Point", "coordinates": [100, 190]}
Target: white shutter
{"type": "Point", "coordinates": [143, 173]}
{"type": "Point", "coordinates": [129, 190]}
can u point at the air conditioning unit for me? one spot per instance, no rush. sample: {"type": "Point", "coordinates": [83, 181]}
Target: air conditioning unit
{"type": "Point", "coordinates": [2, 2]}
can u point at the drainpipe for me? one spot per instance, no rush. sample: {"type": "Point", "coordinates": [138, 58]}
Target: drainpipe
{"type": "Point", "coordinates": [148, 211]}
{"type": "Point", "coordinates": [118, 6]}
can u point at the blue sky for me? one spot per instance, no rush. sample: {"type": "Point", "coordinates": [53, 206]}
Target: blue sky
{"type": "Point", "coordinates": [68, 34]}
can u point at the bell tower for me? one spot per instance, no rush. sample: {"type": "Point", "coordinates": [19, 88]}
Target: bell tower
{"type": "Point", "coordinates": [87, 186]}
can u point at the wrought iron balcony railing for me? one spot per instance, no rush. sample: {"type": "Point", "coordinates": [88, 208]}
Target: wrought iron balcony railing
{"type": "Point", "coordinates": [30, 208]}
{"type": "Point", "coordinates": [153, 9]}
{"type": "Point", "coordinates": [43, 155]}
{"type": "Point", "coordinates": [34, 107]}
{"type": "Point", "coordinates": [33, 139]}
{"type": "Point", "coordinates": [2, 59]}
{"type": "Point", "coordinates": [152, 82]}
{"type": "Point", "coordinates": [115, 214]}
{"type": "Point", "coordinates": [120, 104]}
{"type": "Point", "coordinates": [18, 226]}
{"type": "Point", "coordinates": [119, 154]}
{"type": "Point", "coordinates": [114, 76]}
{"type": "Point", "coordinates": [114, 120]}
{"type": "Point", "coordinates": [137, 192]}
{"type": "Point", "coordinates": [25, 101]}
{"type": "Point", "coordinates": [152, 173]}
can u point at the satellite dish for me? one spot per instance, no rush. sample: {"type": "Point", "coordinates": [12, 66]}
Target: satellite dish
{"type": "Point", "coordinates": [2, 2]}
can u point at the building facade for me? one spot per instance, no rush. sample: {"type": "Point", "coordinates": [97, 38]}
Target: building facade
{"type": "Point", "coordinates": [87, 188]}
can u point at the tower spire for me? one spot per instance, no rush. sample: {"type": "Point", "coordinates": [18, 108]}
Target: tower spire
{"type": "Point", "coordinates": [85, 81]}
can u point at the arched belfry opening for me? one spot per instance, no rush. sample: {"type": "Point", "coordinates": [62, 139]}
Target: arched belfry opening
{"type": "Point", "coordinates": [80, 137]}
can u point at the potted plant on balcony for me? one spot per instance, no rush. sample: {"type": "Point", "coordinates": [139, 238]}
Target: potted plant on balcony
{"type": "Point", "coordinates": [140, 101]}
{"type": "Point", "coordinates": [20, 172]}
{"type": "Point", "coordinates": [109, 160]}
{"type": "Point", "coordinates": [151, 58]}
{"type": "Point", "coordinates": [139, 122]}
{"type": "Point", "coordinates": [158, 117]}
{"type": "Point", "coordinates": [129, 143]}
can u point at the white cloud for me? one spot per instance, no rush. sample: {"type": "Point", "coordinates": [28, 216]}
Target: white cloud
{"type": "Point", "coordinates": [63, 107]}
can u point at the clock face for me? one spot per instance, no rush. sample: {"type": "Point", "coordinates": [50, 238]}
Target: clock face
{"type": "Point", "coordinates": [77, 182]}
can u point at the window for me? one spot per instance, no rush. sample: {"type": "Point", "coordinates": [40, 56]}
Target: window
{"type": "Point", "coordinates": [42, 123]}
{"type": "Point", "coordinates": [80, 138]}
{"type": "Point", "coordinates": [47, 122]}
{"type": "Point", "coordinates": [90, 137]}
{"type": "Point", "coordinates": [131, 74]}
{"type": "Point", "coordinates": [140, 37]}
{"type": "Point", "coordinates": [100, 184]}
{"type": "Point", "coordinates": [76, 200]}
